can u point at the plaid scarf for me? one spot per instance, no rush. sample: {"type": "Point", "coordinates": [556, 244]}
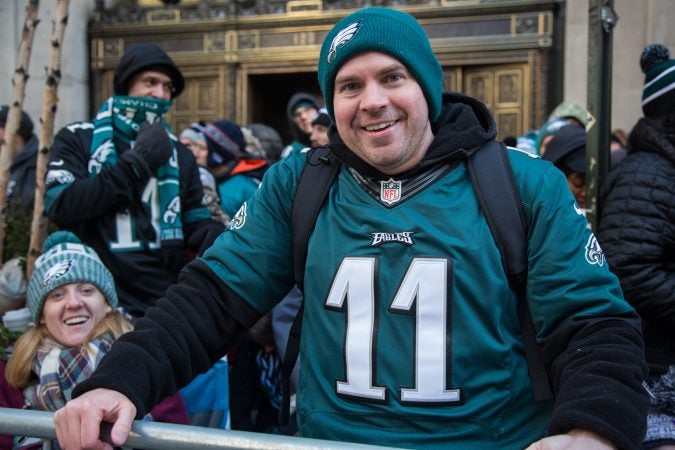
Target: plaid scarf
{"type": "Point", "coordinates": [122, 116]}
{"type": "Point", "coordinates": [60, 369]}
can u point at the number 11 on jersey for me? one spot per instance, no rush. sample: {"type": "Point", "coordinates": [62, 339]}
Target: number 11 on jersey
{"type": "Point", "coordinates": [425, 289]}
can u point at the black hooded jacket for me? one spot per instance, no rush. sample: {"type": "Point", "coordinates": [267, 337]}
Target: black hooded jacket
{"type": "Point", "coordinates": [637, 233]}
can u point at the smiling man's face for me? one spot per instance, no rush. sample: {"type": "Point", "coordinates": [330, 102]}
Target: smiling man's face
{"type": "Point", "coordinates": [381, 113]}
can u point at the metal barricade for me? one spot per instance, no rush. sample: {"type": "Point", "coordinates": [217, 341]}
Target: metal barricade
{"type": "Point", "coordinates": [156, 435]}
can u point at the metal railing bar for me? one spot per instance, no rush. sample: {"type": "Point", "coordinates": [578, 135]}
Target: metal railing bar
{"type": "Point", "coordinates": [164, 436]}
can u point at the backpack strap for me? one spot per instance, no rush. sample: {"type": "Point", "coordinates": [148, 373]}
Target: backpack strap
{"type": "Point", "coordinates": [317, 176]}
{"type": "Point", "coordinates": [315, 181]}
{"type": "Point", "coordinates": [499, 201]}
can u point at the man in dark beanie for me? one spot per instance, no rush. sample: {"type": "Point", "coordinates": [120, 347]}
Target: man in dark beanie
{"type": "Point", "coordinates": [637, 233]}
{"type": "Point", "coordinates": [410, 330]}
{"type": "Point", "coordinates": [301, 110]}
{"type": "Point", "coordinates": [125, 185]}
{"type": "Point", "coordinates": [567, 151]}
{"type": "Point", "coordinates": [320, 125]}
{"type": "Point", "coordinates": [21, 187]}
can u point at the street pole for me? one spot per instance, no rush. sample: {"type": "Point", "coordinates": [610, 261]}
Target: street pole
{"type": "Point", "coordinates": [601, 22]}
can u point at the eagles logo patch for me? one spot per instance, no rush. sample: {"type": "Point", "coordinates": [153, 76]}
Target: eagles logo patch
{"type": "Point", "coordinates": [594, 254]}
{"type": "Point", "coordinates": [345, 35]}
{"type": "Point", "coordinates": [239, 219]}
{"type": "Point", "coordinates": [57, 271]}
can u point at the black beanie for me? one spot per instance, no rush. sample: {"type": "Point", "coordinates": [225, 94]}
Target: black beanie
{"type": "Point", "coordinates": [322, 118]}
{"type": "Point", "coordinates": [25, 126]}
{"type": "Point", "coordinates": [567, 149]}
{"type": "Point", "coordinates": [143, 57]}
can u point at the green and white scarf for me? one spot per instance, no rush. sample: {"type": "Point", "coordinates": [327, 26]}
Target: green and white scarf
{"type": "Point", "coordinates": [123, 115]}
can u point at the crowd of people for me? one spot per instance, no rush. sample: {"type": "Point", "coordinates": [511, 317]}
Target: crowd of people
{"type": "Point", "coordinates": [170, 289]}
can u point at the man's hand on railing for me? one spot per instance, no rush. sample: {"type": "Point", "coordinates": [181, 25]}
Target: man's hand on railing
{"type": "Point", "coordinates": [78, 424]}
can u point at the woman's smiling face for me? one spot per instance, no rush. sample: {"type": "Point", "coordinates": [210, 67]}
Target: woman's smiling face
{"type": "Point", "coordinates": [72, 311]}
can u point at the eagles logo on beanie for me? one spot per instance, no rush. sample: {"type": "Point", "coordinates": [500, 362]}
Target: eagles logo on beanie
{"type": "Point", "coordinates": [388, 31]}
{"type": "Point", "coordinates": [64, 260]}
{"type": "Point", "coordinates": [658, 93]}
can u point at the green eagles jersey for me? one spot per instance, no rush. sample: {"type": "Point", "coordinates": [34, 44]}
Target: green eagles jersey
{"type": "Point", "coordinates": [411, 334]}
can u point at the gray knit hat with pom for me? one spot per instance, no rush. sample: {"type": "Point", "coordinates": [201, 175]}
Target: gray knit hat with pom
{"type": "Point", "coordinates": [64, 260]}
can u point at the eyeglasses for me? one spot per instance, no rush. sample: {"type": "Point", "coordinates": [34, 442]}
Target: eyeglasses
{"type": "Point", "coordinates": [150, 82]}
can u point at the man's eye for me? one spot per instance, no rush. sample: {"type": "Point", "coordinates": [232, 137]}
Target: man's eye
{"type": "Point", "coordinates": [395, 77]}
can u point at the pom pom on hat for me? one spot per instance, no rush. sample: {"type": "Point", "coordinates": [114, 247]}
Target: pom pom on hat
{"type": "Point", "coordinates": [658, 93]}
{"type": "Point", "coordinates": [64, 260]}
{"type": "Point", "coordinates": [388, 31]}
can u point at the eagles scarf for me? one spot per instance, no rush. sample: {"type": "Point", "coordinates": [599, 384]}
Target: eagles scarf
{"type": "Point", "coordinates": [60, 369]}
{"type": "Point", "coordinates": [124, 115]}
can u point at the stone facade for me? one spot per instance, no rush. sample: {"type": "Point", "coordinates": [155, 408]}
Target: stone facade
{"type": "Point", "coordinates": [639, 23]}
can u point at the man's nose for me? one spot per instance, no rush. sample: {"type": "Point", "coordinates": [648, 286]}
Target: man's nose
{"type": "Point", "coordinates": [374, 97]}
{"type": "Point", "coordinates": [159, 91]}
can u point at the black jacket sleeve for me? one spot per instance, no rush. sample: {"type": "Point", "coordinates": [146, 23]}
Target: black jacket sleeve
{"type": "Point", "coordinates": [88, 197]}
{"type": "Point", "coordinates": [600, 359]}
{"type": "Point", "coordinates": [193, 326]}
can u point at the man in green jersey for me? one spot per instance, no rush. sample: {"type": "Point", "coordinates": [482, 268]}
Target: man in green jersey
{"type": "Point", "coordinates": [411, 334]}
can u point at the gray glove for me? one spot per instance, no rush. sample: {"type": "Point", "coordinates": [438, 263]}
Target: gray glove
{"type": "Point", "coordinates": [153, 145]}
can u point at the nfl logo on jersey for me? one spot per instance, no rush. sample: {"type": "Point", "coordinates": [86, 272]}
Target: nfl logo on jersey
{"type": "Point", "coordinates": [390, 191]}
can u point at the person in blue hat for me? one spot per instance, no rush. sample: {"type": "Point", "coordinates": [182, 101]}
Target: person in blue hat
{"type": "Point", "coordinates": [410, 330]}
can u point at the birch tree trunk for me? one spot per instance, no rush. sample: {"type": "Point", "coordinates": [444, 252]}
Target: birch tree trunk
{"type": "Point", "coordinates": [15, 108]}
{"type": "Point", "coordinates": [38, 229]}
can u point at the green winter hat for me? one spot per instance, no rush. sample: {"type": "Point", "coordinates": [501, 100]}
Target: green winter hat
{"type": "Point", "coordinates": [658, 93]}
{"type": "Point", "coordinates": [65, 259]}
{"type": "Point", "coordinates": [388, 31]}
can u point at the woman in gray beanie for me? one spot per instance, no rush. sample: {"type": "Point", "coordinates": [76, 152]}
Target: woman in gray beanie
{"type": "Point", "coordinates": [72, 300]}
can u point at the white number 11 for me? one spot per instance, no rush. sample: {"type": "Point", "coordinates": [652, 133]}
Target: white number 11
{"type": "Point", "coordinates": [425, 287]}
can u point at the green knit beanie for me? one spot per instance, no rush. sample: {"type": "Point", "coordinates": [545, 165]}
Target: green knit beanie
{"type": "Point", "coordinates": [64, 260]}
{"type": "Point", "coordinates": [388, 31]}
{"type": "Point", "coordinates": [658, 93]}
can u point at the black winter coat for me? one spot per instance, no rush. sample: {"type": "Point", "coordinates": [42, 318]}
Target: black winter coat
{"type": "Point", "coordinates": [637, 233]}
